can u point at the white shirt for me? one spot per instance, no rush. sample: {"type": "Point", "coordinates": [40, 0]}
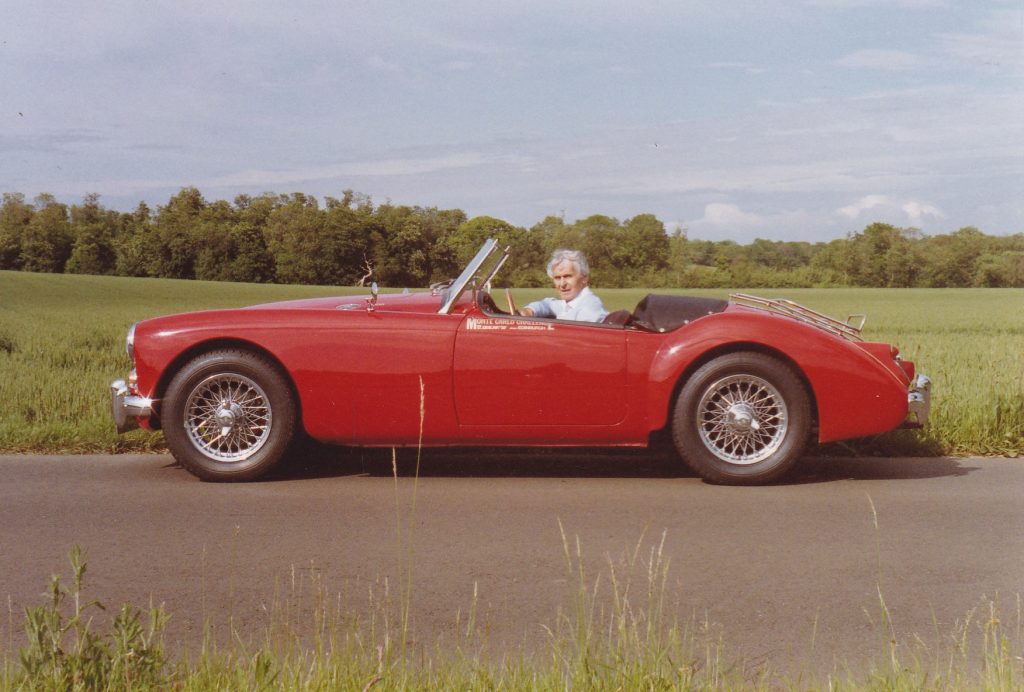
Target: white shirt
{"type": "Point", "coordinates": [585, 307]}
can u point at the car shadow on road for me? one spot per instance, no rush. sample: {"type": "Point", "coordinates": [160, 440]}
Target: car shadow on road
{"type": "Point", "coordinates": [323, 461]}
{"type": "Point", "coordinates": [828, 469]}
{"type": "Point", "coordinates": [481, 462]}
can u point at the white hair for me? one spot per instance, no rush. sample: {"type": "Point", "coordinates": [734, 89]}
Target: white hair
{"type": "Point", "coordinates": [564, 255]}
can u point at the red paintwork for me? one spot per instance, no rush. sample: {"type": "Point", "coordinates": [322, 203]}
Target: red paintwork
{"type": "Point", "coordinates": [403, 374]}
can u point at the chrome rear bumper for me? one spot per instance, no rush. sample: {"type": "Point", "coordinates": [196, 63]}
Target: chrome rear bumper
{"type": "Point", "coordinates": [919, 402]}
{"type": "Point", "coordinates": [126, 407]}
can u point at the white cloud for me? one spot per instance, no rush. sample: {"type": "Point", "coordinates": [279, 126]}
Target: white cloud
{"type": "Point", "coordinates": [916, 211]}
{"type": "Point", "coordinates": [729, 215]}
{"type": "Point", "coordinates": [377, 168]}
{"type": "Point", "coordinates": [881, 59]}
{"type": "Point", "coordinates": [887, 208]}
{"type": "Point", "coordinates": [376, 62]}
{"type": "Point", "coordinates": [863, 204]}
{"type": "Point", "coordinates": [852, 4]}
{"type": "Point", "coordinates": [997, 40]}
{"type": "Point", "coordinates": [722, 220]}
{"type": "Point", "coordinates": [746, 67]}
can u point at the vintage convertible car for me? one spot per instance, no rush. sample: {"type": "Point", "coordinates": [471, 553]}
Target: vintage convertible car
{"type": "Point", "coordinates": [739, 385]}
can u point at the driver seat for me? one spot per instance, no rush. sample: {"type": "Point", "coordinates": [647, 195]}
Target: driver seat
{"type": "Point", "coordinates": [621, 318]}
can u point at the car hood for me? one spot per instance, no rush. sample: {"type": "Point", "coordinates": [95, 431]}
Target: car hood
{"type": "Point", "coordinates": [391, 302]}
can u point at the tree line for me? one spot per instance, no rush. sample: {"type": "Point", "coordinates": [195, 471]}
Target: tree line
{"type": "Point", "coordinates": [293, 238]}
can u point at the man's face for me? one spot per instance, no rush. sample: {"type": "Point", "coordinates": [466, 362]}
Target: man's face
{"type": "Point", "coordinates": [568, 281]}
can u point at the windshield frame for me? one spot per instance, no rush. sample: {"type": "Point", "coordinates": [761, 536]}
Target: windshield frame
{"type": "Point", "coordinates": [460, 284]}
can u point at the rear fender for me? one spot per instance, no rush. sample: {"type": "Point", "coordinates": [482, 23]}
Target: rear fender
{"type": "Point", "coordinates": [854, 393]}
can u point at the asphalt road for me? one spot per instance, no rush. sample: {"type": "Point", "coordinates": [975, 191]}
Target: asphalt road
{"type": "Point", "coordinates": [790, 574]}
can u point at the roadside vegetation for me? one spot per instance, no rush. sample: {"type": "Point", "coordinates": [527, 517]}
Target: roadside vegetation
{"type": "Point", "coordinates": [616, 632]}
{"type": "Point", "coordinates": [62, 342]}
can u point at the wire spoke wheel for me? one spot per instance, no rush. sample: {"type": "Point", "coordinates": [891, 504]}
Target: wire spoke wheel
{"type": "Point", "coordinates": [742, 419]}
{"type": "Point", "coordinates": [228, 417]}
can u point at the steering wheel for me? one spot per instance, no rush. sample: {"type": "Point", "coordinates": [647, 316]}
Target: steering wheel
{"type": "Point", "coordinates": [511, 303]}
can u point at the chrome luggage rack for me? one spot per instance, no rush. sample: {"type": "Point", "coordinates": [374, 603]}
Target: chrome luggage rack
{"type": "Point", "coordinates": [850, 329]}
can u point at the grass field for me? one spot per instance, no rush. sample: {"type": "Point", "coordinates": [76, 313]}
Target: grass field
{"type": "Point", "coordinates": [62, 342]}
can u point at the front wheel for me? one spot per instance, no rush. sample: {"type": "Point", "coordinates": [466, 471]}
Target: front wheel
{"type": "Point", "coordinates": [229, 415]}
{"type": "Point", "coordinates": [742, 419]}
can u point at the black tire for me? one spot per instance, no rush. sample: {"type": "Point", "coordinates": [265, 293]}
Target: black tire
{"type": "Point", "coordinates": [742, 419]}
{"type": "Point", "coordinates": [229, 415]}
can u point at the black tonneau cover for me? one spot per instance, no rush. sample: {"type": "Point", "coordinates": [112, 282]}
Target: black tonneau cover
{"type": "Point", "coordinates": [665, 313]}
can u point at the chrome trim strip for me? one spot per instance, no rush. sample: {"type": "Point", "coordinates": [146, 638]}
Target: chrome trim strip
{"type": "Point", "coordinates": [129, 342]}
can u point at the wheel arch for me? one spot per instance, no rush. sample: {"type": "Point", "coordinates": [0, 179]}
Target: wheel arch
{"type": "Point", "coordinates": [737, 347]}
{"type": "Point", "coordinates": [209, 346]}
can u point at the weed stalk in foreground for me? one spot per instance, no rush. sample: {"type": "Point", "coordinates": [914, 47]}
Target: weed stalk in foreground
{"type": "Point", "coordinates": [64, 652]}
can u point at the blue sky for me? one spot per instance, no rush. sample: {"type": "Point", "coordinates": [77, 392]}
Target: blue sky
{"type": "Point", "coordinates": [788, 120]}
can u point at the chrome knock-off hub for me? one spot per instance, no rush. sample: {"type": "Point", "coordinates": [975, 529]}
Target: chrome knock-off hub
{"type": "Point", "coordinates": [228, 417]}
{"type": "Point", "coordinates": [742, 419]}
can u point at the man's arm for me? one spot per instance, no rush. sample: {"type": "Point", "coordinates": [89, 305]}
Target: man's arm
{"type": "Point", "coordinates": [538, 308]}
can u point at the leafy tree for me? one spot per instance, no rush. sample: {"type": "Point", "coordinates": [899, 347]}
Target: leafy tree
{"type": "Point", "coordinates": [216, 249]}
{"type": "Point", "coordinates": [47, 240]}
{"type": "Point", "coordinates": [290, 238]}
{"type": "Point", "coordinates": [558, 234]}
{"type": "Point", "coordinates": [599, 236]}
{"type": "Point", "coordinates": [644, 244]}
{"type": "Point", "coordinates": [870, 253]}
{"type": "Point", "coordinates": [294, 239]}
{"type": "Point", "coordinates": [402, 258]}
{"type": "Point", "coordinates": [94, 228]}
{"type": "Point", "coordinates": [251, 260]}
{"type": "Point", "coordinates": [438, 225]}
{"type": "Point", "coordinates": [15, 216]}
{"type": "Point", "coordinates": [703, 252]}
{"type": "Point", "coordinates": [779, 255]}
{"type": "Point", "coordinates": [548, 232]}
{"type": "Point", "coordinates": [400, 246]}
{"type": "Point", "coordinates": [133, 243]}
{"type": "Point", "coordinates": [471, 234]}
{"type": "Point", "coordinates": [836, 259]}
{"type": "Point", "coordinates": [527, 263]}
{"type": "Point", "coordinates": [954, 258]}
{"type": "Point", "coordinates": [175, 243]}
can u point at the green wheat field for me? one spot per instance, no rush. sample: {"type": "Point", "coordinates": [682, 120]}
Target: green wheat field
{"type": "Point", "coordinates": [62, 342]}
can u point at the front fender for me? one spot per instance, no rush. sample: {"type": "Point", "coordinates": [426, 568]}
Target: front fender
{"type": "Point", "coordinates": [854, 392]}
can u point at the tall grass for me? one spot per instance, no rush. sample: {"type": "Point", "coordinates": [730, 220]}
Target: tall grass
{"type": "Point", "coordinates": [614, 633]}
{"type": "Point", "coordinates": [62, 342]}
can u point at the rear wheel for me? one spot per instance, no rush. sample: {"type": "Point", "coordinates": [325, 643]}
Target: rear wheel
{"type": "Point", "coordinates": [229, 415]}
{"type": "Point", "coordinates": [742, 419]}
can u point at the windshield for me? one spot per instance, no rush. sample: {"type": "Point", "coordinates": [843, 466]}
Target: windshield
{"type": "Point", "coordinates": [474, 270]}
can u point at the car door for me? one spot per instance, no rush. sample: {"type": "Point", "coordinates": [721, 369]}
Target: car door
{"type": "Point", "coordinates": [533, 375]}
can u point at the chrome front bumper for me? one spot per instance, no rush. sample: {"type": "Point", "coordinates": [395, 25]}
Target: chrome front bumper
{"type": "Point", "coordinates": [127, 407]}
{"type": "Point", "coordinates": [919, 402]}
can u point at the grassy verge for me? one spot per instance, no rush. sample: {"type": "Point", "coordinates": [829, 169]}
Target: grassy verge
{"type": "Point", "coordinates": [616, 633]}
{"type": "Point", "coordinates": [62, 336]}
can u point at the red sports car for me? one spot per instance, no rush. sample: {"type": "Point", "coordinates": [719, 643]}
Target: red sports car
{"type": "Point", "coordinates": [740, 385]}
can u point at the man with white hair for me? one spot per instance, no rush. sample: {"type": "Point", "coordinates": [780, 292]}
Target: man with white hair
{"type": "Point", "coordinates": [571, 274]}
